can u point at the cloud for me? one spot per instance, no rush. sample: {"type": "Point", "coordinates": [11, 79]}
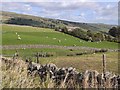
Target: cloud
{"type": "Point", "coordinates": [59, 0]}
{"type": "Point", "coordinates": [20, 7]}
{"type": "Point", "coordinates": [107, 10]}
{"type": "Point", "coordinates": [107, 13]}
{"type": "Point", "coordinates": [12, 6]}
{"type": "Point", "coordinates": [65, 5]}
{"type": "Point", "coordinates": [77, 10]}
{"type": "Point", "coordinates": [104, 10]}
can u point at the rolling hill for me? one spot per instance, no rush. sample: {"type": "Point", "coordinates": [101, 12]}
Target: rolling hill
{"type": "Point", "coordinates": [20, 19]}
{"type": "Point", "coordinates": [45, 36]}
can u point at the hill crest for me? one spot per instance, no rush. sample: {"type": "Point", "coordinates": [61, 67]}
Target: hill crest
{"type": "Point", "coordinates": [22, 19]}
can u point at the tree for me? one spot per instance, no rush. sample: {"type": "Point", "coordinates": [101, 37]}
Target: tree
{"type": "Point", "coordinates": [80, 34]}
{"type": "Point", "coordinates": [89, 33]}
{"type": "Point", "coordinates": [113, 31]}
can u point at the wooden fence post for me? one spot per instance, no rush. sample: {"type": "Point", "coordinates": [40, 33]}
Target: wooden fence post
{"type": "Point", "coordinates": [104, 65]}
{"type": "Point", "coordinates": [104, 70]}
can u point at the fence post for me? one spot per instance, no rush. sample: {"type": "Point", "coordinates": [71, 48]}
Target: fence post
{"type": "Point", "coordinates": [104, 65]}
{"type": "Point", "coordinates": [104, 70]}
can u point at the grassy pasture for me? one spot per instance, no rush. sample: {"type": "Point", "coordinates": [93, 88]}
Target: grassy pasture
{"type": "Point", "coordinates": [81, 63]}
{"type": "Point", "coordinates": [33, 35]}
{"type": "Point", "coordinates": [15, 76]}
{"type": "Point", "coordinates": [86, 62]}
{"type": "Point", "coordinates": [54, 51]}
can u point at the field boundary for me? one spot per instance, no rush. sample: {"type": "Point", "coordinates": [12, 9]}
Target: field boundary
{"type": "Point", "coordinates": [5, 47]}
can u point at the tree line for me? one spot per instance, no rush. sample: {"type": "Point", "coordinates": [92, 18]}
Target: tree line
{"type": "Point", "coordinates": [112, 35]}
{"type": "Point", "coordinates": [30, 22]}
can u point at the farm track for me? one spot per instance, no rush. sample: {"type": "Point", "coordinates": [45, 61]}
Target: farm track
{"type": "Point", "coordinates": [5, 47]}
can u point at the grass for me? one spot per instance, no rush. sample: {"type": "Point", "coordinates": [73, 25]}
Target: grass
{"type": "Point", "coordinates": [60, 58]}
{"type": "Point", "coordinates": [54, 51]}
{"type": "Point", "coordinates": [81, 63]}
{"type": "Point", "coordinates": [86, 62]}
{"type": "Point", "coordinates": [33, 35]}
{"type": "Point", "coordinates": [14, 74]}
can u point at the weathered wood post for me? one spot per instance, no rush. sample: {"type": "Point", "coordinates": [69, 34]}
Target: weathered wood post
{"type": "Point", "coordinates": [104, 65]}
{"type": "Point", "coordinates": [104, 70]}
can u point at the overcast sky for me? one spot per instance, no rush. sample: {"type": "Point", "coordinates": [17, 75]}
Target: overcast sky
{"type": "Point", "coordinates": [76, 10]}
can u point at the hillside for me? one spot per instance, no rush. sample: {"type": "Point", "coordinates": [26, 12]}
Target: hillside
{"type": "Point", "coordinates": [20, 19]}
{"type": "Point", "coordinates": [45, 36]}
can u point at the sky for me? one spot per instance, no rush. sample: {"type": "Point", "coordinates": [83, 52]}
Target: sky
{"type": "Point", "coordinates": [88, 11]}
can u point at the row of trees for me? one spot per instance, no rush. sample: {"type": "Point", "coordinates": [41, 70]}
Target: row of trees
{"type": "Point", "coordinates": [30, 22]}
{"type": "Point", "coordinates": [112, 36]}
{"type": "Point", "coordinates": [88, 36]}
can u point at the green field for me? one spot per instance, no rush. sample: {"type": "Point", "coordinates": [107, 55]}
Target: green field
{"type": "Point", "coordinates": [81, 63]}
{"type": "Point", "coordinates": [34, 35]}
{"type": "Point", "coordinates": [53, 51]}
{"type": "Point", "coordinates": [15, 75]}
{"type": "Point", "coordinates": [86, 62]}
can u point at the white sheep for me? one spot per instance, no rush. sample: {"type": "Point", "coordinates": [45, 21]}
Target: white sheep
{"type": "Point", "coordinates": [23, 48]}
{"type": "Point", "coordinates": [54, 38]}
{"type": "Point", "coordinates": [16, 33]}
{"type": "Point", "coordinates": [19, 38]}
{"type": "Point", "coordinates": [59, 41]}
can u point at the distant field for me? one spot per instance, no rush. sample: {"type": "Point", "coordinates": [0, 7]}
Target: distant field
{"type": "Point", "coordinates": [33, 35]}
{"type": "Point", "coordinates": [81, 63]}
{"type": "Point", "coordinates": [54, 51]}
{"type": "Point", "coordinates": [86, 62]}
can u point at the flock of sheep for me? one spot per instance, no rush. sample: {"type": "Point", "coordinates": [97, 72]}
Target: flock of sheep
{"type": "Point", "coordinates": [18, 36]}
{"type": "Point", "coordinates": [71, 77]}
{"type": "Point", "coordinates": [59, 41]}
